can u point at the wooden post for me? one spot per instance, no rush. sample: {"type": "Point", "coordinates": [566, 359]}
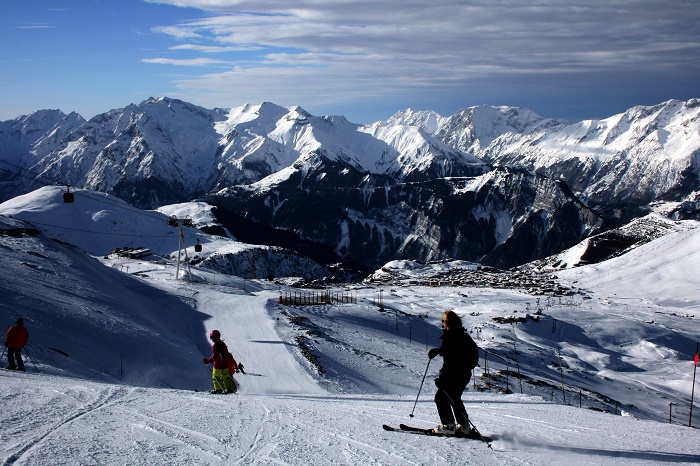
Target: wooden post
{"type": "Point", "coordinates": [561, 371]}
{"type": "Point", "coordinates": [486, 369]}
{"type": "Point", "coordinates": [517, 364]}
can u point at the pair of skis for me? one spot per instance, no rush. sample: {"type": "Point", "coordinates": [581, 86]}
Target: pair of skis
{"type": "Point", "coordinates": [473, 435]}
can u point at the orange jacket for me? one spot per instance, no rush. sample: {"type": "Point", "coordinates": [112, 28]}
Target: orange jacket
{"type": "Point", "coordinates": [17, 336]}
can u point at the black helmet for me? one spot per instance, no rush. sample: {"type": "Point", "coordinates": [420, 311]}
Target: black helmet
{"type": "Point", "coordinates": [215, 335]}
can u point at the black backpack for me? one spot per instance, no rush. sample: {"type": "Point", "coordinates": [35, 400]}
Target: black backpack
{"type": "Point", "coordinates": [472, 352]}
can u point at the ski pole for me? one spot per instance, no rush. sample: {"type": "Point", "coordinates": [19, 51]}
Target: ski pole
{"type": "Point", "coordinates": [420, 388]}
{"type": "Point", "coordinates": [468, 420]}
{"type": "Point", "coordinates": [30, 358]}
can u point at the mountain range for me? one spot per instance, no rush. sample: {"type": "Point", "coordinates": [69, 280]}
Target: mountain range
{"type": "Point", "coordinates": [502, 186]}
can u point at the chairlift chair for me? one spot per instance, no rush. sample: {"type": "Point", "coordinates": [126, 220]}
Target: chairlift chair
{"type": "Point", "coordinates": [68, 196]}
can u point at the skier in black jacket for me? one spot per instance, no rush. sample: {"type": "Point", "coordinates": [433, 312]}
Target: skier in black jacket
{"type": "Point", "coordinates": [456, 351]}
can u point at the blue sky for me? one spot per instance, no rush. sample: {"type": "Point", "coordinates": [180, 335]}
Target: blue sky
{"type": "Point", "coordinates": [365, 60]}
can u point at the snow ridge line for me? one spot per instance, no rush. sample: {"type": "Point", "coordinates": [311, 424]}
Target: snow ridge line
{"type": "Point", "coordinates": [107, 397]}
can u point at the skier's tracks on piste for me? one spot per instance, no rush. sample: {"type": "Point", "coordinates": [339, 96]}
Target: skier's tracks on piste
{"type": "Point", "coordinates": [258, 435]}
{"type": "Point", "coordinates": [371, 451]}
{"type": "Point", "coordinates": [105, 398]}
{"type": "Point", "coordinates": [278, 427]}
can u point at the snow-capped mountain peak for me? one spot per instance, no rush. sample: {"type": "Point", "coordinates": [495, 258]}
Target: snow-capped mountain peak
{"type": "Point", "coordinates": [261, 140]}
{"type": "Point", "coordinates": [474, 128]}
{"type": "Point", "coordinates": [646, 153]}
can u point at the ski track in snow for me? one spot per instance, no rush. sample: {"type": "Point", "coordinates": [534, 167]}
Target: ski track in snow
{"type": "Point", "coordinates": [78, 422]}
{"type": "Point", "coordinates": [106, 397]}
{"type": "Point", "coordinates": [258, 435]}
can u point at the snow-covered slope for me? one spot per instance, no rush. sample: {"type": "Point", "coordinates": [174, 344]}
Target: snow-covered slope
{"type": "Point", "coordinates": [321, 379]}
{"type": "Point", "coordinates": [615, 242]}
{"type": "Point", "coordinates": [83, 422]}
{"type": "Point", "coordinates": [660, 271]}
{"type": "Point", "coordinates": [99, 223]}
{"type": "Point", "coordinates": [90, 321]}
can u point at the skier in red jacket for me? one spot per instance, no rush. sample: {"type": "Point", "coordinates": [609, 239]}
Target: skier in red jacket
{"type": "Point", "coordinates": [223, 383]}
{"type": "Point", "coordinates": [17, 336]}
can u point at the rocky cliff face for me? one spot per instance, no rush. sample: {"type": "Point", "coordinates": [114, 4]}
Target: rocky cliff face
{"type": "Point", "coordinates": [502, 218]}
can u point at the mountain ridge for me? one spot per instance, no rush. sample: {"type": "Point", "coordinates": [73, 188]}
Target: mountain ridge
{"type": "Point", "coordinates": [386, 184]}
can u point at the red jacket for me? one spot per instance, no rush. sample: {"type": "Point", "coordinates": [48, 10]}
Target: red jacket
{"type": "Point", "coordinates": [219, 355]}
{"type": "Point", "coordinates": [17, 336]}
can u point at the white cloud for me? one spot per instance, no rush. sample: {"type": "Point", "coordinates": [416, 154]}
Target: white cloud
{"type": "Point", "coordinates": [35, 26]}
{"type": "Point", "coordinates": [341, 47]}
{"type": "Point", "coordinates": [183, 61]}
{"type": "Point", "coordinates": [517, 34]}
{"type": "Point", "coordinates": [176, 32]}
{"type": "Point", "coordinates": [210, 48]}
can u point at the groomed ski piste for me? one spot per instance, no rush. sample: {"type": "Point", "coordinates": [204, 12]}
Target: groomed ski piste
{"type": "Point", "coordinates": [115, 375]}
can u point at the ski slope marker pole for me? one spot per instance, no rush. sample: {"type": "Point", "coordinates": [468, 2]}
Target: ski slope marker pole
{"type": "Point", "coordinates": [692, 393]}
{"type": "Point", "coordinates": [420, 388]}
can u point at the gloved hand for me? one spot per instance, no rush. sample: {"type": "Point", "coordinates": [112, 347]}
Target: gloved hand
{"type": "Point", "coordinates": [437, 383]}
{"type": "Point", "coordinates": [205, 361]}
{"type": "Point", "coordinates": [433, 352]}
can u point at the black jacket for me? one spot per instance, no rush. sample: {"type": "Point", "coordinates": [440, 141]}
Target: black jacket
{"type": "Point", "coordinates": [454, 351]}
